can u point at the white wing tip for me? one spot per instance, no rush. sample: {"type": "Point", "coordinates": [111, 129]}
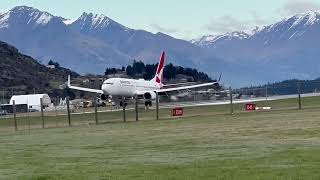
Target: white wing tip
{"type": "Point", "coordinates": [69, 83]}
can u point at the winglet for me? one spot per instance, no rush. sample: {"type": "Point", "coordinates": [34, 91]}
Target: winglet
{"type": "Point", "coordinates": [69, 83]}
{"type": "Point", "coordinates": [220, 77]}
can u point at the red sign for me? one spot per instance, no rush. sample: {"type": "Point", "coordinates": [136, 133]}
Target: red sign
{"type": "Point", "coordinates": [250, 107]}
{"type": "Point", "coordinates": [177, 112]}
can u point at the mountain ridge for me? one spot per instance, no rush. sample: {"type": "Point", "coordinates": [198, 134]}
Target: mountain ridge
{"type": "Point", "coordinates": [93, 42]}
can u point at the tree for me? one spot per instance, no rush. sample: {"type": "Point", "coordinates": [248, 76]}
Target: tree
{"type": "Point", "coordinates": [150, 71]}
{"type": "Point", "coordinates": [170, 72]}
{"type": "Point", "coordinates": [111, 71]}
{"type": "Point", "coordinates": [138, 67]}
{"type": "Point", "coordinates": [130, 71]}
{"type": "Point", "coordinates": [52, 63]}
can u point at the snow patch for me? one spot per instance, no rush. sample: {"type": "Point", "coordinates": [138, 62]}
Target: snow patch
{"type": "Point", "coordinates": [210, 40]}
{"type": "Point", "coordinates": [306, 19]}
{"type": "Point", "coordinates": [43, 19]}
{"type": "Point", "coordinates": [4, 19]}
{"type": "Point", "coordinates": [95, 21]}
{"type": "Point", "coordinates": [68, 21]}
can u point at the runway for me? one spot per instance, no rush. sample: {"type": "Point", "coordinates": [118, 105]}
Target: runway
{"type": "Point", "coordinates": [208, 103]}
{"type": "Point", "coordinates": [235, 101]}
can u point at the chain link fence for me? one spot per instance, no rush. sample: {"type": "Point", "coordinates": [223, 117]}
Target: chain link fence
{"type": "Point", "coordinates": [188, 104]}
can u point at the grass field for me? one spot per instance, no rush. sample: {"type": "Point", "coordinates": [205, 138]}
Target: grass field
{"type": "Point", "coordinates": [281, 144]}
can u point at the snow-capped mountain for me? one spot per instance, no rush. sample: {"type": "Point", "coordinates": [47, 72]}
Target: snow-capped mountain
{"type": "Point", "coordinates": [89, 22]}
{"type": "Point", "coordinates": [286, 49]}
{"type": "Point", "coordinates": [32, 18]}
{"type": "Point", "coordinates": [214, 40]}
{"type": "Point", "coordinates": [101, 27]}
{"type": "Point", "coordinates": [89, 44]}
{"type": "Point", "coordinates": [293, 28]}
{"type": "Point", "coordinates": [289, 28]}
{"type": "Point", "coordinates": [138, 44]}
{"type": "Point", "coordinates": [45, 36]}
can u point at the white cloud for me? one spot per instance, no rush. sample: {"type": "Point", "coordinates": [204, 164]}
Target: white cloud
{"type": "Point", "coordinates": [159, 28]}
{"type": "Point", "coordinates": [227, 23]}
{"type": "Point", "coordinates": [293, 7]}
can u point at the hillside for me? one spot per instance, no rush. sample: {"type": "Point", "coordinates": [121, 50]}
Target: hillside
{"type": "Point", "coordinates": [286, 87]}
{"type": "Point", "coordinates": [22, 74]}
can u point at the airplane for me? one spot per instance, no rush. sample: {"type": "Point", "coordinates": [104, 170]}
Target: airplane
{"type": "Point", "coordinates": [120, 89]}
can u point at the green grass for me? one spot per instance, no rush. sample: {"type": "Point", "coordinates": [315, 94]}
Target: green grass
{"type": "Point", "coordinates": [281, 144]}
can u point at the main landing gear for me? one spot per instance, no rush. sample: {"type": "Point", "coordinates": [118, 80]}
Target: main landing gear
{"type": "Point", "coordinates": [148, 103]}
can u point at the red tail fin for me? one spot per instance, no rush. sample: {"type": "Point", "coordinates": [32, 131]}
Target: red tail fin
{"type": "Point", "coordinates": [159, 73]}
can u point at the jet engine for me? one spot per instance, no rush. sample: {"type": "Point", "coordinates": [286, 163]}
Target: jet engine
{"type": "Point", "coordinates": [104, 97]}
{"type": "Point", "coordinates": [149, 95]}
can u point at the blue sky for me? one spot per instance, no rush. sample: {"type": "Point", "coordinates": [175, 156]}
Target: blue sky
{"type": "Point", "coordinates": [179, 18]}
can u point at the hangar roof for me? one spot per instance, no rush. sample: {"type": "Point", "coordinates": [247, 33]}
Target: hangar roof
{"type": "Point", "coordinates": [31, 99]}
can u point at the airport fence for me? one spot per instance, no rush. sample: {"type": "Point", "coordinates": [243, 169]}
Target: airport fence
{"type": "Point", "coordinates": [189, 104]}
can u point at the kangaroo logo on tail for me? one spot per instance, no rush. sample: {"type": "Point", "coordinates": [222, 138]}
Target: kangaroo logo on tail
{"type": "Point", "coordinates": [158, 78]}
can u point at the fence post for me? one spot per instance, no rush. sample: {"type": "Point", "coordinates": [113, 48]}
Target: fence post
{"type": "Point", "coordinates": [28, 118]}
{"type": "Point", "coordinates": [96, 110]}
{"type": "Point", "coordinates": [14, 115]}
{"type": "Point", "coordinates": [266, 94]}
{"type": "Point", "coordinates": [157, 105]}
{"type": "Point", "coordinates": [55, 106]}
{"type": "Point", "coordinates": [56, 111]}
{"type": "Point", "coordinates": [299, 96]}
{"type": "Point", "coordinates": [68, 109]}
{"type": "Point", "coordinates": [231, 100]}
{"type": "Point", "coordinates": [124, 109]}
{"type": "Point", "coordinates": [136, 107]}
{"type": "Point", "coordinates": [41, 107]}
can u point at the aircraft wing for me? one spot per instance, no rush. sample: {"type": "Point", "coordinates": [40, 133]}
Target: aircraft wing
{"type": "Point", "coordinates": [187, 87]}
{"type": "Point", "coordinates": [179, 84]}
{"type": "Point", "coordinates": [83, 89]}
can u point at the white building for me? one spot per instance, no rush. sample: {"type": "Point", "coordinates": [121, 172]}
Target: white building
{"type": "Point", "coordinates": [32, 100]}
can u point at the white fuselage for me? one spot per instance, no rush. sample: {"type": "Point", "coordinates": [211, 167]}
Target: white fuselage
{"type": "Point", "coordinates": [127, 87]}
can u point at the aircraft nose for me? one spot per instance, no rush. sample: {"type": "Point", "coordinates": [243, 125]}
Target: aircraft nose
{"type": "Point", "coordinates": [105, 88]}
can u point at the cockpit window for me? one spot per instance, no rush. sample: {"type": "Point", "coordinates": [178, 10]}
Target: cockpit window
{"type": "Point", "coordinates": [108, 83]}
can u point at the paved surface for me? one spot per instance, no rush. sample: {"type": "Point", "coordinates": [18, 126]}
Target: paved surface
{"type": "Point", "coordinates": [211, 102]}
{"type": "Point", "coordinates": [216, 103]}
{"type": "Point", "coordinates": [235, 101]}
